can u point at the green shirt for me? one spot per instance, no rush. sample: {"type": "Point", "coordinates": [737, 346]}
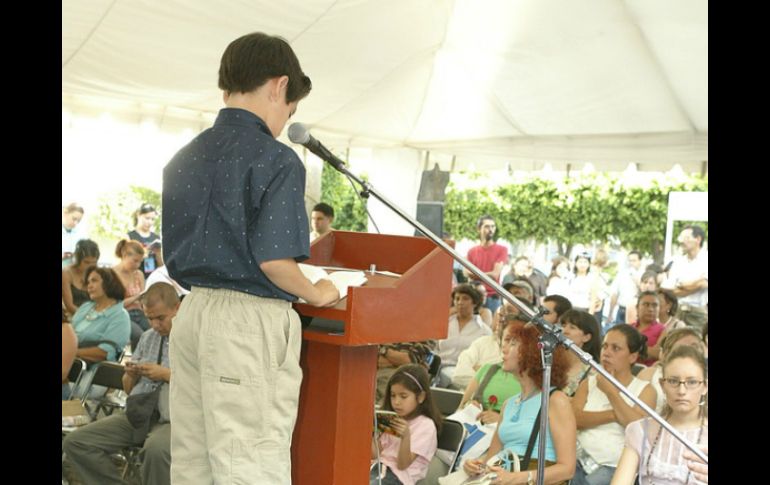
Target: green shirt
{"type": "Point", "coordinates": [502, 385]}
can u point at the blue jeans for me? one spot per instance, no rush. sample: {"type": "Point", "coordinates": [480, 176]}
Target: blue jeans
{"type": "Point", "coordinates": [621, 316]}
{"type": "Point", "coordinates": [493, 303]}
{"type": "Point", "coordinates": [600, 476]}
{"type": "Point", "coordinates": [388, 479]}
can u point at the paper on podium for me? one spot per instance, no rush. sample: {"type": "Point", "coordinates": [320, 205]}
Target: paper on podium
{"type": "Point", "coordinates": [341, 279]}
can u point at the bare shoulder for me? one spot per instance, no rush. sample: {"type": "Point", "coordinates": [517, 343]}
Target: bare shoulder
{"type": "Point", "coordinates": [559, 399]}
{"type": "Point", "coordinates": [647, 373]}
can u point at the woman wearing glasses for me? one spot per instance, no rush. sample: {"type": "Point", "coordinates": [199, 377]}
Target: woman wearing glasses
{"type": "Point", "coordinates": [653, 374]}
{"type": "Point", "coordinates": [685, 383]}
{"type": "Point", "coordinates": [144, 221]}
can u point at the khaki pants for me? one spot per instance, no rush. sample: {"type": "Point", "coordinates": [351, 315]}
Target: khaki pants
{"type": "Point", "coordinates": [235, 391]}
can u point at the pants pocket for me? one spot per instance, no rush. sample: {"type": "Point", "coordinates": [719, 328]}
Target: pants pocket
{"type": "Point", "coordinates": [260, 462]}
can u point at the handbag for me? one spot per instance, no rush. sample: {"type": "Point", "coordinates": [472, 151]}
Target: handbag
{"type": "Point", "coordinates": [142, 408]}
{"type": "Point", "coordinates": [506, 459]}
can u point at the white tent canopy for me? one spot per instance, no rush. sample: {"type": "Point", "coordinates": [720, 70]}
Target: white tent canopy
{"type": "Point", "coordinates": [488, 82]}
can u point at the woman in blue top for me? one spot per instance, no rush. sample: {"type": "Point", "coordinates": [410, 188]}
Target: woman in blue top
{"type": "Point", "coordinates": [521, 356]}
{"type": "Point", "coordinates": [102, 321]}
{"type": "Point", "coordinates": [102, 325]}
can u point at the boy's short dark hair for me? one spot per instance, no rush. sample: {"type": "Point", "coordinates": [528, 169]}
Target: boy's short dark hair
{"type": "Point", "coordinates": [324, 209]}
{"type": "Point", "coordinates": [251, 60]}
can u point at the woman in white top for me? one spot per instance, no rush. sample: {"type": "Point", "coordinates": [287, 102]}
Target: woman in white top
{"type": "Point", "coordinates": [558, 281]}
{"type": "Point", "coordinates": [602, 412]}
{"type": "Point", "coordinates": [464, 328]}
{"type": "Point", "coordinates": [581, 285]}
{"type": "Point", "coordinates": [583, 329]}
{"type": "Point", "coordinates": [685, 384]}
{"type": "Point", "coordinates": [654, 373]}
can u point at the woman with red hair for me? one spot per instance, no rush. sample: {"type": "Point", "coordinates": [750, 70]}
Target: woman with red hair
{"type": "Point", "coordinates": [521, 356]}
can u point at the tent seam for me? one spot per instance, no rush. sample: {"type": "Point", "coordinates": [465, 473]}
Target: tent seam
{"type": "Point", "coordinates": [90, 34]}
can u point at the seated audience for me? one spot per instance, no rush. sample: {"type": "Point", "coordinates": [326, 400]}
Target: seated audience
{"type": "Point", "coordinates": [404, 459]}
{"type": "Point", "coordinates": [481, 311]}
{"type": "Point", "coordinates": [521, 356]}
{"type": "Point", "coordinates": [647, 282]}
{"type": "Point", "coordinates": [651, 452]}
{"type": "Point", "coordinates": [556, 305]}
{"type": "Point", "coordinates": [89, 448]}
{"type": "Point", "coordinates": [653, 374]}
{"type": "Point", "coordinates": [69, 347]}
{"type": "Point", "coordinates": [73, 277]}
{"type": "Point", "coordinates": [464, 328]}
{"type": "Point", "coordinates": [602, 412]}
{"type": "Point", "coordinates": [582, 328]}
{"type": "Point", "coordinates": [102, 324]}
{"type": "Point", "coordinates": [490, 391]}
{"type": "Point", "coordinates": [648, 324]}
{"type": "Point", "coordinates": [666, 311]}
{"type": "Point", "coordinates": [131, 254]}
{"type": "Point", "coordinates": [483, 350]}
{"type": "Point", "coordinates": [392, 356]}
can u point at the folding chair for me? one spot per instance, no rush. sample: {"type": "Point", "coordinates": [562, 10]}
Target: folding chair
{"type": "Point", "coordinates": [109, 375]}
{"type": "Point", "coordinates": [434, 365]}
{"type": "Point", "coordinates": [131, 463]}
{"type": "Point", "coordinates": [447, 400]}
{"type": "Point", "coordinates": [450, 439]}
{"type": "Point", "coordinates": [76, 372]}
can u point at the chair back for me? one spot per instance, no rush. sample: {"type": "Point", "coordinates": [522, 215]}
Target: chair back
{"type": "Point", "coordinates": [107, 374]}
{"type": "Point", "coordinates": [450, 439]}
{"type": "Point", "coordinates": [434, 365]}
{"type": "Point", "coordinates": [447, 400]}
{"type": "Point", "coordinates": [76, 372]}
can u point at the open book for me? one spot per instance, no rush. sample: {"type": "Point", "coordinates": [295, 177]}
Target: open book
{"type": "Point", "coordinates": [341, 279]}
{"type": "Point", "coordinates": [385, 422]}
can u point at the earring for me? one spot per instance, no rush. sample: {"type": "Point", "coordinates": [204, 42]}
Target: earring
{"type": "Point", "coordinates": [702, 400]}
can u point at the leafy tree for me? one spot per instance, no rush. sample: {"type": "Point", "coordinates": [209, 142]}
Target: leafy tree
{"type": "Point", "coordinates": [349, 212]}
{"type": "Point", "coordinates": [115, 213]}
{"type": "Point", "coordinates": [595, 208]}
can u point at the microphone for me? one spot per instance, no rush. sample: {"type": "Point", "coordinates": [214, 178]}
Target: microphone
{"type": "Point", "coordinates": [298, 133]}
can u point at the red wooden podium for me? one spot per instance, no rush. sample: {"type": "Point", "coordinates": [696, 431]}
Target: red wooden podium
{"type": "Point", "coordinates": [332, 438]}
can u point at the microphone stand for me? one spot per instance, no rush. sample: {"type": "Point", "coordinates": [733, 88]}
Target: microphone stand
{"type": "Point", "coordinates": [550, 337]}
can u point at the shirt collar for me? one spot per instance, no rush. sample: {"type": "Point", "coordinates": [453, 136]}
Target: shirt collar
{"type": "Point", "coordinates": [241, 117]}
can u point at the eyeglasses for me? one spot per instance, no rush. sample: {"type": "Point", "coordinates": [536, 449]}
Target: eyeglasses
{"type": "Point", "coordinates": [145, 208]}
{"type": "Point", "coordinates": [674, 383]}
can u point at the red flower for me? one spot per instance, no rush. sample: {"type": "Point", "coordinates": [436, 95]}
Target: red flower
{"type": "Point", "coordinates": [492, 400]}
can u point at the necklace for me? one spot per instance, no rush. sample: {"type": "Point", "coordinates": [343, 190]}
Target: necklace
{"type": "Point", "coordinates": [521, 397]}
{"type": "Point", "coordinates": [655, 443]}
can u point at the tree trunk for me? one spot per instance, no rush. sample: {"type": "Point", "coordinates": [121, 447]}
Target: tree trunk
{"type": "Point", "coordinates": [657, 252]}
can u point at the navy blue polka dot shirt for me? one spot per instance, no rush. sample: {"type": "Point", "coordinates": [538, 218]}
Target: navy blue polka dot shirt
{"type": "Point", "coordinates": [232, 199]}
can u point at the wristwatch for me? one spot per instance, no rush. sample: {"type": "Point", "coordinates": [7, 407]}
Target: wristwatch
{"type": "Point", "coordinates": [383, 350]}
{"type": "Point", "coordinates": [530, 480]}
